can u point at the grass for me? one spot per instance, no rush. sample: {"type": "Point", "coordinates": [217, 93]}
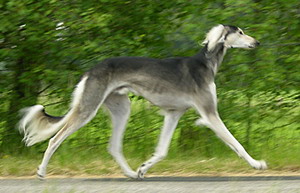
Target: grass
{"type": "Point", "coordinates": [95, 164]}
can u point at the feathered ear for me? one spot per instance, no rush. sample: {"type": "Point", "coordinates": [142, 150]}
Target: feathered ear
{"type": "Point", "coordinates": [214, 36]}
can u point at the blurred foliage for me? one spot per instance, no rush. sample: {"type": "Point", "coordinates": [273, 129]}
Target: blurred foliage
{"type": "Point", "coordinates": [46, 45]}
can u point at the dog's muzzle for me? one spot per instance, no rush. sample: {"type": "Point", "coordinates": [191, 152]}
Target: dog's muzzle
{"type": "Point", "coordinates": [256, 43]}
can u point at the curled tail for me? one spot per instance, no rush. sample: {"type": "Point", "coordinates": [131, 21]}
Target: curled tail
{"type": "Point", "coordinates": [38, 126]}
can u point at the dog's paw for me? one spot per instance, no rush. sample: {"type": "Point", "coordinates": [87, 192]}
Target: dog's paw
{"type": "Point", "coordinates": [142, 171]}
{"type": "Point", "coordinates": [141, 174]}
{"type": "Point", "coordinates": [260, 165]}
{"type": "Point", "coordinates": [131, 174]}
{"type": "Point", "coordinates": [40, 174]}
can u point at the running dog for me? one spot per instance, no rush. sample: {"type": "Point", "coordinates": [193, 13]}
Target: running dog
{"type": "Point", "coordinates": [173, 84]}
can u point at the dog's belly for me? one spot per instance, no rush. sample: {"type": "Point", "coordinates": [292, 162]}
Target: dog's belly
{"type": "Point", "coordinates": [165, 99]}
{"type": "Point", "coordinates": [168, 101]}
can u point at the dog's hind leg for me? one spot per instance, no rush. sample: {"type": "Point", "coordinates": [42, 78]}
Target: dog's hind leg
{"type": "Point", "coordinates": [208, 110]}
{"type": "Point", "coordinates": [119, 107]}
{"type": "Point", "coordinates": [170, 123]}
{"type": "Point", "coordinates": [84, 108]}
{"type": "Point", "coordinates": [53, 144]}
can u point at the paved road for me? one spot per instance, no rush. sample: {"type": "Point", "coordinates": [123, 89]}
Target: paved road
{"type": "Point", "coordinates": [155, 185]}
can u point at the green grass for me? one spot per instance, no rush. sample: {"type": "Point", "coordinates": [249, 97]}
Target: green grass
{"type": "Point", "coordinates": [100, 164]}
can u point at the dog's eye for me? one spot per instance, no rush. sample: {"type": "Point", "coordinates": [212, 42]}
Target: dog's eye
{"type": "Point", "coordinates": [241, 33]}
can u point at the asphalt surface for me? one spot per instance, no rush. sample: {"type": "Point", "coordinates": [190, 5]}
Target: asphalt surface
{"type": "Point", "coordinates": [270, 184]}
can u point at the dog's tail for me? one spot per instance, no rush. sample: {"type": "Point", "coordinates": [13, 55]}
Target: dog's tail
{"type": "Point", "coordinates": [38, 126]}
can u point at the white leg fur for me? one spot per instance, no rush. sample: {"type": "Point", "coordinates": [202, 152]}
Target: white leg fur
{"type": "Point", "coordinates": [54, 143]}
{"type": "Point", "coordinates": [221, 131]}
{"type": "Point", "coordinates": [213, 121]}
{"type": "Point", "coordinates": [170, 123]}
{"type": "Point", "coordinates": [119, 107]}
{"type": "Point", "coordinates": [74, 120]}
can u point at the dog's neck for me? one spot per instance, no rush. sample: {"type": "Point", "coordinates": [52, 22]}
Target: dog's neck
{"type": "Point", "coordinates": [212, 58]}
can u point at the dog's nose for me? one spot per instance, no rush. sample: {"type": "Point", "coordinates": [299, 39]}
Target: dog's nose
{"type": "Point", "coordinates": [257, 43]}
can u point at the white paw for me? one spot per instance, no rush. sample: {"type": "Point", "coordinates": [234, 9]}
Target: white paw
{"type": "Point", "coordinates": [141, 174]}
{"type": "Point", "coordinates": [141, 171]}
{"type": "Point", "coordinates": [41, 174]}
{"type": "Point", "coordinates": [260, 165]}
{"type": "Point", "coordinates": [131, 174]}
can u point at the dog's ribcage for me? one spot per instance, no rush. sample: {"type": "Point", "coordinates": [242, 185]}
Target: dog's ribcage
{"type": "Point", "coordinates": [168, 83]}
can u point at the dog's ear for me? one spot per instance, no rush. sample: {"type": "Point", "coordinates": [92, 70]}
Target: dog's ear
{"type": "Point", "coordinates": [214, 36]}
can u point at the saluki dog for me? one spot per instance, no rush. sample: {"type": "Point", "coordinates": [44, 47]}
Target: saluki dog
{"type": "Point", "coordinates": [173, 84]}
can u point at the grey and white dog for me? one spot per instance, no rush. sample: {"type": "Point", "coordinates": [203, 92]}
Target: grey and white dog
{"type": "Point", "coordinates": [173, 84]}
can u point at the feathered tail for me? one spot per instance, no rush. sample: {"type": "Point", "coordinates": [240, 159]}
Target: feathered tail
{"type": "Point", "coordinates": [38, 126]}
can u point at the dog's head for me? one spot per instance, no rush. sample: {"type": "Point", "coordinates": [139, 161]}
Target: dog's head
{"type": "Point", "coordinates": [230, 37]}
